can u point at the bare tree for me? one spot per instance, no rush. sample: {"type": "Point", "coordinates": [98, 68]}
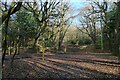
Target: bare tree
{"type": "Point", "coordinates": [88, 22]}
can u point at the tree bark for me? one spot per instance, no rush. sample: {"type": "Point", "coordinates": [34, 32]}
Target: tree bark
{"type": "Point", "coordinates": [116, 44]}
{"type": "Point", "coordinates": [5, 40]}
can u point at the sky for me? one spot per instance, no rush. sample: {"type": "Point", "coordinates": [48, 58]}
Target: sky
{"type": "Point", "coordinates": [77, 5]}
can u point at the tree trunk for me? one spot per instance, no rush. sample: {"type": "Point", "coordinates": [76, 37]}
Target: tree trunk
{"type": "Point", "coordinates": [10, 47]}
{"type": "Point", "coordinates": [117, 39]}
{"type": "Point", "coordinates": [5, 40]}
{"type": "Point", "coordinates": [105, 40]}
{"type": "Point", "coordinates": [59, 43]}
{"type": "Point", "coordinates": [16, 49]}
{"type": "Point", "coordinates": [14, 54]}
{"type": "Point", "coordinates": [102, 48]}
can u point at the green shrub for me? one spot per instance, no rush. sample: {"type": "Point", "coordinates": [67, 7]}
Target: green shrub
{"type": "Point", "coordinates": [85, 41]}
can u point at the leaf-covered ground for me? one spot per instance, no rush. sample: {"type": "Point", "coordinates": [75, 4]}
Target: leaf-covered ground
{"type": "Point", "coordinates": [77, 65]}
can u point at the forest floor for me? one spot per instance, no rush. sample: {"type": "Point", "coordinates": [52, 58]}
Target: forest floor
{"type": "Point", "coordinates": [73, 64]}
